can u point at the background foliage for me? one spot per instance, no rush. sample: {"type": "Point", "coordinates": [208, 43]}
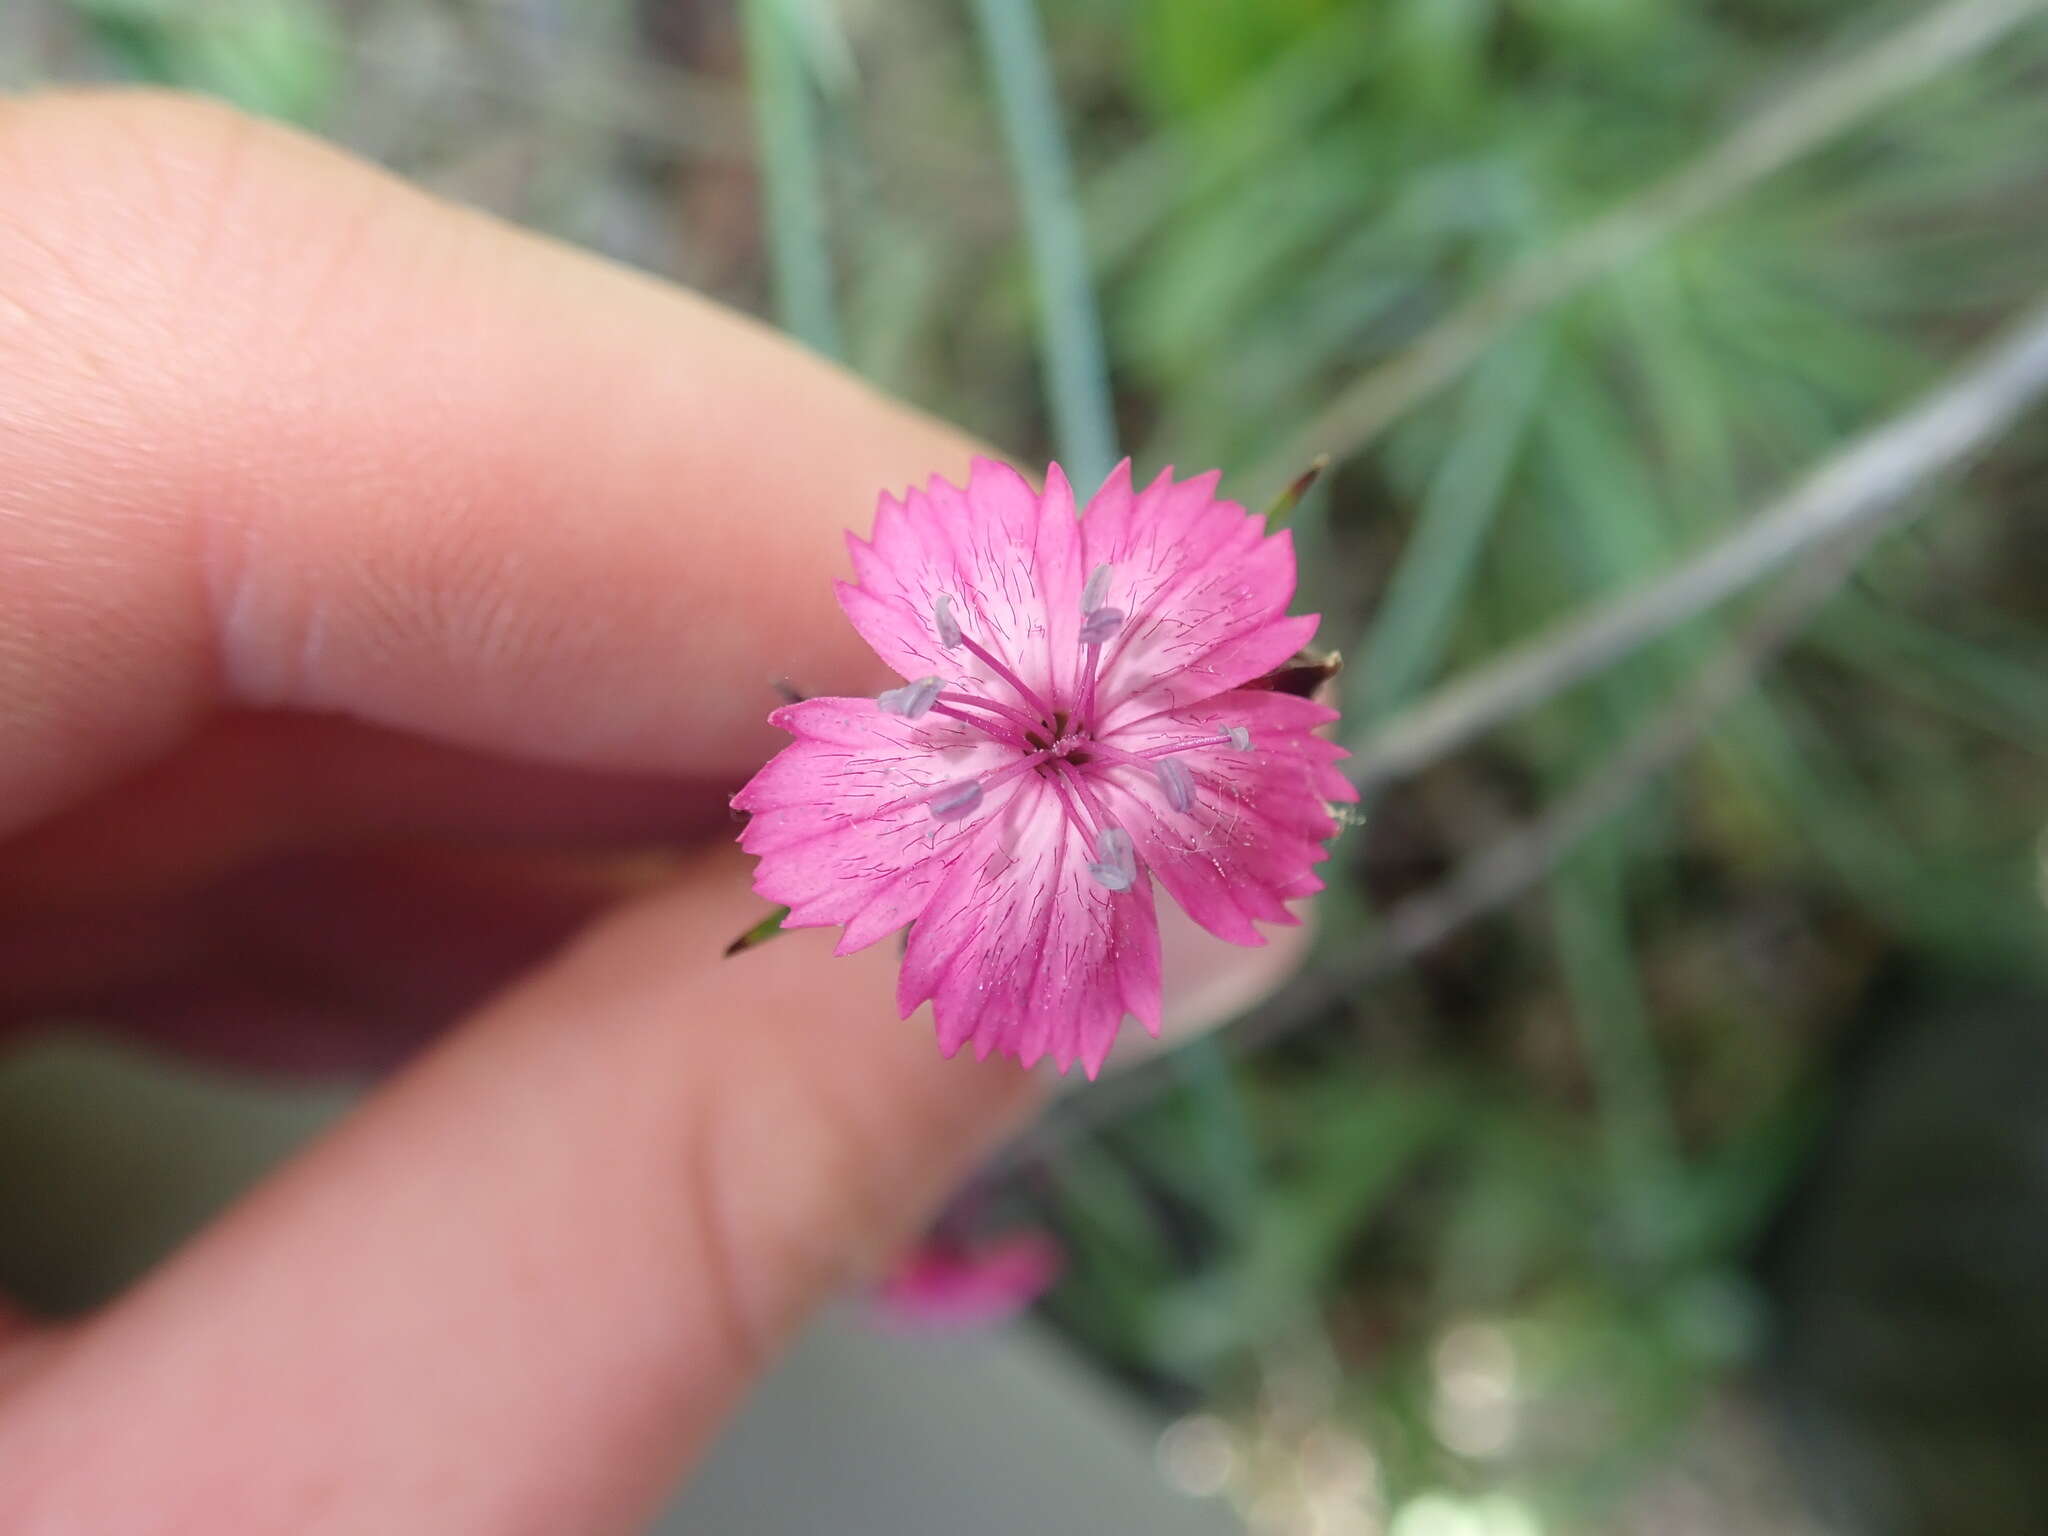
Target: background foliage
{"type": "Point", "coordinates": [1700, 1188]}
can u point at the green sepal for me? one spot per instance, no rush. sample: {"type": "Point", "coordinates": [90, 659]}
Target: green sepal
{"type": "Point", "coordinates": [759, 934]}
{"type": "Point", "coordinates": [1284, 504]}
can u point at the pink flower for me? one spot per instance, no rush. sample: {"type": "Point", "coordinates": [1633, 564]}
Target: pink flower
{"type": "Point", "coordinates": [945, 1285]}
{"type": "Point", "coordinates": [1080, 716]}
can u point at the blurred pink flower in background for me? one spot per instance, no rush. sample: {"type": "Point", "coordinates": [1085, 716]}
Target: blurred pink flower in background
{"type": "Point", "coordinates": [947, 1284]}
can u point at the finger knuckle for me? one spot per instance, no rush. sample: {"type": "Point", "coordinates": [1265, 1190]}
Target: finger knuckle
{"type": "Point", "coordinates": [763, 1260]}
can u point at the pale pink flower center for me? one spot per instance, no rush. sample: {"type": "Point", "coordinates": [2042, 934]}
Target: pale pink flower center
{"type": "Point", "coordinates": [1062, 741]}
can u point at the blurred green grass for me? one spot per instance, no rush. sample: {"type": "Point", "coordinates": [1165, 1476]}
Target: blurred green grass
{"type": "Point", "coordinates": [1186, 229]}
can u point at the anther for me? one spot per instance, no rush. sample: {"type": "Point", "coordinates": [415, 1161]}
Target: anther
{"type": "Point", "coordinates": [1096, 590]}
{"type": "Point", "coordinates": [1117, 868]}
{"type": "Point", "coordinates": [1239, 738]}
{"type": "Point", "coordinates": [955, 800]}
{"type": "Point", "coordinates": [1099, 624]}
{"type": "Point", "coordinates": [943, 620]}
{"type": "Point", "coordinates": [912, 699]}
{"type": "Point", "coordinates": [1178, 783]}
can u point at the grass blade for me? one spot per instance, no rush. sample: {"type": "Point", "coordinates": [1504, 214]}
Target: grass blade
{"type": "Point", "coordinates": [1630, 1102]}
{"type": "Point", "coordinates": [1069, 325]}
{"type": "Point", "coordinates": [1860, 486]}
{"type": "Point", "coordinates": [1409, 634]}
{"type": "Point", "coordinates": [792, 176]}
{"type": "Point", "coordinates": [1764, 143]}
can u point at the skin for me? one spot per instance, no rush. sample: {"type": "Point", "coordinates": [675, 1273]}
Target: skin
{"type": "Point", "coordinates": [389, 601]}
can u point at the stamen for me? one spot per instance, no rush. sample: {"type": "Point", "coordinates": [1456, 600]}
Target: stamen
{"type": "Point", "coordinates": [1010, 713]}
{"type": "Point", "coordinates": [994, 729]}
{"type": "Point", "coordinates": [958, 799]}
{"type": "Point", "coordinates": [1063, 782]}
{"type": "Point", "coordinates": [955, 800]}
{"type": "Point", "coordinates": [1169, 749]}
{"type": "Point", "coordinates": [1178, 783]}
{"type": "Point", "coordinates": [1097, 625]}
{"type": "Point", "coordinates": [1096, 808]}
{"type": "Point", "coordinates": [943, 620]}
{"type": "Point", "coordinates": [1239, 738]}
{"type": "Point", "coordinates": [1116, 865]}
{"type": "Point", "coordinates": [912, 699]}
{"type": "Point", "coordinates": [1101, 624]}
{"type": "Point", "coordinates": [1096, 590]}
{"type": "Point", "coordinates": [996, 665]}
{"type": "Point", "coordinates": [1102, 751]}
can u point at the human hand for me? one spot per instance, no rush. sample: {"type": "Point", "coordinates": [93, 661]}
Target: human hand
{"type": "Point", "coordinates": [377, 586]}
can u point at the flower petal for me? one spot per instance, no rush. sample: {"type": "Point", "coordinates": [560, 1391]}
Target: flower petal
{"type": "Point", "coordinates": [1260, 819]}
{"type": "Point", "coordinates": [1206, 591]}
{"type": "Point", "coordinates": [1009, 558]}
{"type": "Point", "coordinates": [1021, 951]}
{"type": "Point", "coordinates": [839, 817]}
{"type": "Point", "coordinates": [940, 1286]}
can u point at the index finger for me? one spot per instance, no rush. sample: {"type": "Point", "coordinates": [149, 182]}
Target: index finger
{"type": "Point", "coordinates": [278, 430]}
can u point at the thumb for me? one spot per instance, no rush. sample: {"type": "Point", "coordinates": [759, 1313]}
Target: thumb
{"type": "Point", "coordinates": [518, 1289]}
